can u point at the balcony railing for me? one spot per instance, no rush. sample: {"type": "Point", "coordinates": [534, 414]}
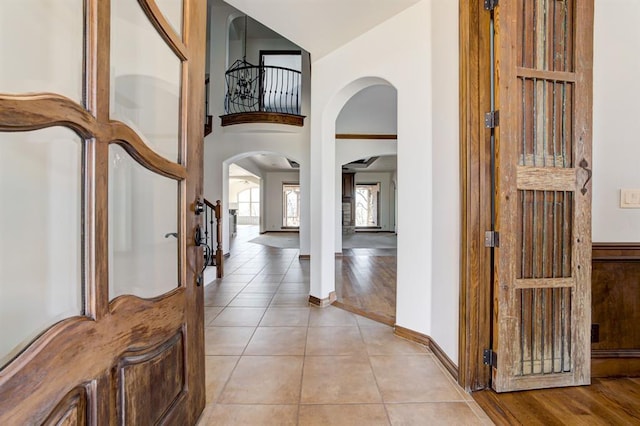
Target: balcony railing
{"type": "Point", "coordinates": [262, 88]}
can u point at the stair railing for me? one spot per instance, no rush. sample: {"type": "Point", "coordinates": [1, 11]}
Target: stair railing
{"type": "Point", "coordinates": [213, 234]}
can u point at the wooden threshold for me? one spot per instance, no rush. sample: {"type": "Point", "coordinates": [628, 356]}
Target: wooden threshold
{"type": "Point", "coordinates": [383, 319]}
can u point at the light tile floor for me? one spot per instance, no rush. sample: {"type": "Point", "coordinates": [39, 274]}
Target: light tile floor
{"type": "Point", "coordinates": [271, 359]}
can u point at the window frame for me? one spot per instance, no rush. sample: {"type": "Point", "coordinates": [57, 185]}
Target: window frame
{"type": "Point", "coordinates": [377, 215]}
{"type": "Point", "coordinates": [284, 205]}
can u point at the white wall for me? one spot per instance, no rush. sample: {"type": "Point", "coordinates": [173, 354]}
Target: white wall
{"type": "Point", "coordinates": [446, 175]}
{"type": "Point", "coordinates": [254, 46]}
{"type": "Point", "coordinates": [227, 144]}
{"type": "Point", "coordinates": [373, 110]}
{"type": "Point", "coordinates": [616, 127]}
{"type": "Point", "coordinates": [273, 195]}
{"type": "Point", "coordinates": [336, 77]}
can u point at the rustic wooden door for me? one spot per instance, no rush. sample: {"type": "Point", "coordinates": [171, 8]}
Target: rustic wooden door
{"type": "Point", "coordinates": [101, 132]}
{"type": "Point", "coordinates": [542, 280]}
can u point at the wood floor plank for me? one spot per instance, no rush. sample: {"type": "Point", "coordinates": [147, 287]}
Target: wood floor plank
{"type": "Point", "coordinates": [625, 393]}
{"type": "Point", "coordinates": [366, 283]}
{"type": "Point", "coordinates": [604, 402]}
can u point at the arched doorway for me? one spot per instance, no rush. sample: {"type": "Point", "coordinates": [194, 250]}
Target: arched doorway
{"type": "Point", "coordinates": [366, 239]}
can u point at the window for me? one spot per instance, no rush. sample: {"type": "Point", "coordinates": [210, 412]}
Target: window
{"type": "Point", "coordinates": [367, 196]}
{"type": "Point", "coordinates": [249, 206]}
{"type": "Point", "coordinates": [291, 205]}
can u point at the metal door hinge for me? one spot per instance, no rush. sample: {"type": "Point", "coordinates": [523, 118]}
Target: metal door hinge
{"type": "Point", "coordinates": [490, 4]}
{"type": "Point", "coordinates": [491, 239]}
{"type": "Point", "coordinates": [595, 333]}
{"type": "Point", "coordinates": [492, 119]}
{"type": "Point", "coordinates": [489, 357]}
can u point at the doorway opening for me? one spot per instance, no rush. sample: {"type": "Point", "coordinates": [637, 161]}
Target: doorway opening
{"type": "Point", "coordinates": [366, 239]}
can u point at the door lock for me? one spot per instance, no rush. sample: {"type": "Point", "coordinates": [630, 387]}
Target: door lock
{"type": "Point", "coordinates": [198, 208]}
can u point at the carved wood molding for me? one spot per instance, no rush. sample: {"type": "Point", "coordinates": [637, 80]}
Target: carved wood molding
{"type": "Point", "coordinates": [366, 136]}
{"type": "Point", "coordinates": [74, 407]}
{"type": "Point", "coordinates": [77, 356]}
{"type": "Point", "coordinates": [21, 113]}
{"type": "Point", "coordinates": [615, 353]}
{"type": "Point", "coordinates": [127, 138]}
{"type": "Point", "coordinates": [262, 117]}
{"type": "Point", "coordinates": [164, 28]}
{"type": "Point", "coordinates": [616, 252]}
{"type": "Point", "coordinates": [159, 370]}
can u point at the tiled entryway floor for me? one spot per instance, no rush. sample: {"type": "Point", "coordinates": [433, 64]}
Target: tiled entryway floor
{"type": "Point", "coordinates": [271, 359]}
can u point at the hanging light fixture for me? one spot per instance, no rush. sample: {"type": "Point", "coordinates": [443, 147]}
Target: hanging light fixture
{"type": "Point", "coordinates": [243, 87]}
{"type": "Point", "coordinates": [242, 79]}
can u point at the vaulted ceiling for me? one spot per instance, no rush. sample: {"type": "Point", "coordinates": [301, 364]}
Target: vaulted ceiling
{"type": "Point", "coordinates": [318, 26]}
{"type": "Point", "coordinates": [321, 26]}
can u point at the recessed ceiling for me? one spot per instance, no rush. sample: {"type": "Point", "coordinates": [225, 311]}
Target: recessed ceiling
{"type": "Point", "coordinates": [387, 163]}
{"type": "Point", "coordinates": [236, 171]}
{"type": "Point", "coordinates": [272, 163]}
{"type": "Point", "coordinates": [268, 163]}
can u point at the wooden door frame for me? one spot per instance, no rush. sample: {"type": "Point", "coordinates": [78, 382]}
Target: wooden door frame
{"type": "Point", "coordinates": [475, 320]}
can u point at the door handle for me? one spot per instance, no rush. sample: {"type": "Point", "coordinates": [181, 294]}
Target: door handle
{"type": "Point", "coordinates": [584, 165]}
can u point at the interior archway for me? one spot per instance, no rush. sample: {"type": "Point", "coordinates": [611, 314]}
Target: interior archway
{"type": "Point", "coordinates": [366, 177]}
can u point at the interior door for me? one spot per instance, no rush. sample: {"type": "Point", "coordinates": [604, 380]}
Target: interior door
{"type": "Point", "coordinates": [101, 130]}
{"type": "Point", "coordinates": [542, 302]}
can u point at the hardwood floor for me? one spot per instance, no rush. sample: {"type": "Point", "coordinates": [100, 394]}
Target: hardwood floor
{"type": "Point", "coordinates": [366, 283]}
{"type": "Point", "coordinates": [605, 402]}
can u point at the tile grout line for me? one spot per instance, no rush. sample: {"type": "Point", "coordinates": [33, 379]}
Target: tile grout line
{"type": "Point", "coordinates": [304, 360]}
{"type": "Point", "coordinates": [373, 373]}
{"type": "Point", "coordinates": [243, 350]}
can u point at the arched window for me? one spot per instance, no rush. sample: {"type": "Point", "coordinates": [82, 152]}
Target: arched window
{"type": "Point", "coordinates": [291, 205]}
{"type": "Point", "coordinates": [249, 206]}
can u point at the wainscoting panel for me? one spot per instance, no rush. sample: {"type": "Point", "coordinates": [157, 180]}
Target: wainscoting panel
{"type": "Point", "coordinates": [73, 409]}
{"type": "Point", "coordinates": [615, 351]}
{"type": "Point", "coordinates": [150, 384]}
